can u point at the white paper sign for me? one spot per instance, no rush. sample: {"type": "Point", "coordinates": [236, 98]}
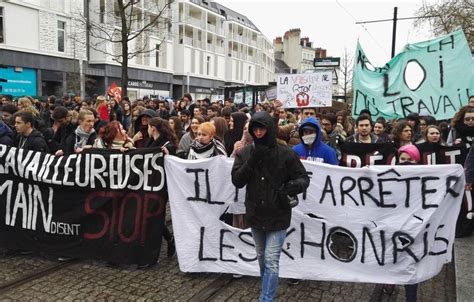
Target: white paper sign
{"type": "Point", "coordinates": [399, 222]}
{"type": "Point", "coordinates": [305, 90]}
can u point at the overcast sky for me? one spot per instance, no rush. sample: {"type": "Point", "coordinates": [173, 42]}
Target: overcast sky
{"type": "Point", "coordinates": [331, 24]}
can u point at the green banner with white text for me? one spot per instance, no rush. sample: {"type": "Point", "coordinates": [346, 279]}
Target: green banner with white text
{"type": "Point", "coordinates": [434, 77]}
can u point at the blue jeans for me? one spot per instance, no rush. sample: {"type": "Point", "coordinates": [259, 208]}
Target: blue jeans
{"type": "Point", "coordinates": [268, 246]}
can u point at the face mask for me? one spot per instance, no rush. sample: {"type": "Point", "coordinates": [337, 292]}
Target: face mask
{"type": "Point", "coordinates": [309, 139]}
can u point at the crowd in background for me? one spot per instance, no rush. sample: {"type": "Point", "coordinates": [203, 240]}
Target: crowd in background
{"type": "Point", "coordinates": [194, 129]}
{"type": "Point", "coordinates": [64, 124]}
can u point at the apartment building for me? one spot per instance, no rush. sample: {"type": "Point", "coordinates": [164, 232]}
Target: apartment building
{"type": "Point", "coordinates": [296, 53]}
{"type": "Point", "coordinates": [38, 55]}
{"type": "Point", "coordinates": [216, 46]}
{"type": "Point", "coordinates": [197, 46]}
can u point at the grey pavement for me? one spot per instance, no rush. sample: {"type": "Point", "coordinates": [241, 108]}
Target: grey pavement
{"type": "Point", "coordinates": [94, 281]}
{"type": "Point", "coordinates": [464, 258]}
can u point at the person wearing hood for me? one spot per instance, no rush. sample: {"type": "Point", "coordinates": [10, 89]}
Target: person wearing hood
{"type": "Point", "coordinates": [141, 136]}
{"type": "Point", "coordinates": [27, 137]}
{"type": "Point", "coordinates": [272, 173]}
{"type": "Point", "coordinates": [311, 146]}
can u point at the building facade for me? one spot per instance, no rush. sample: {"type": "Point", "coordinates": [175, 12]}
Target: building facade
{"type": "Point", "coordinates": [37, 54]}
{"type": "Point", "coordinates": [214, 47]}
{"type": "Point", "coordinates": [296, 53]}
{"type": "Point", "coordinates": [70, 47]}
{"type": "Point", "coordinates": [150, 63]}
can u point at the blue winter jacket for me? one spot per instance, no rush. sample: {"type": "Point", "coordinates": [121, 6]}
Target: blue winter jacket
{"type": "Point", "coordinates": [319, 151]}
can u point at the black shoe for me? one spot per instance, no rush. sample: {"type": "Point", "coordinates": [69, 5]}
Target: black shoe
{"type": "Point", "coordinates": [143, 266]}
{"type": "Point", "coordinates": [388, 288]}
{"type": "Point", "coordinates": [147, 265]}
{"type": "Point", "coordinates": [171, 249]}
{"type": "Point", "coordinates": [294, 281]}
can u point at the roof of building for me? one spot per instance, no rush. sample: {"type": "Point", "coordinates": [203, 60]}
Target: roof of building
{"type": "Point", "coordinates": [281, 66]}
{"type": "Point", "coordinates": [229, 14]}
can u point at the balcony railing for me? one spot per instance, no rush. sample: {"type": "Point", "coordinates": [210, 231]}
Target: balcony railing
{"type": "Point", "coordinates": [211, 27]}
{"type": "Point", "coordinates": [219, 49]}
{"type": "Point", "coordinates": [195, 22]}
{"type": "Point", "coordinates": [188, 41]}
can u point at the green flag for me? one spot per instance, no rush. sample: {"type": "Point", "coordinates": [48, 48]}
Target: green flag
{"type": "Point", "coordinates": [434, 77]}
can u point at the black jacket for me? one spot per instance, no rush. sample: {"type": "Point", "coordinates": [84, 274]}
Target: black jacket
{"type": "Point", "coordinates": [469, 166]}
{"type": "Point", "coordinates": [265, 208]}
{"type": "Point", "coordinates": [71, 141]}
{"type": "Point", "coordinates": [35, 141]}
{"type": "Point", "coordinates": [160, 142]}
{"type": "Point", "coordinates": [62, 134]}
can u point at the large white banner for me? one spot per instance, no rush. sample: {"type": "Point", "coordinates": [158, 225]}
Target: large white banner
{"type": "Point", "coordinates": [397, 222]}
{"type": "Point", "coordinates": [305, 90]}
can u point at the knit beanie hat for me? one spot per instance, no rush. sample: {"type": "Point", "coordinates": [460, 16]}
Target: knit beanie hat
{"type": "Point", "coordinates": [411, 150]}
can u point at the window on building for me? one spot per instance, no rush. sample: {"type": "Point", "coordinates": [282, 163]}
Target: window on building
{"type": "Point", "coordinates": [61, 35]}
{"type": "Point", "coordinates": [157, 55]}
{"type": "Point", "coordinates": [2, 35]}
{"type": "Point", "coordinates": [208, 65]}
{"type": "Point", "coordinates": [250, 73]}
{"type": "Point", "coordinates": [102, 11]}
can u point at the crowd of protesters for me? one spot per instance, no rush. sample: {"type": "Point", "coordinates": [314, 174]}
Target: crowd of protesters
{"type": "Point", "coordinates": [195, 129]}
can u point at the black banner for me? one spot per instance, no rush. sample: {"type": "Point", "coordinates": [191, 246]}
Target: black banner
{"type": "Point", "coordinates": [356, 155]}
{"type": "Point", "coordinates": [433, 154]}
{"type": "Point", "coordinates": [100, 204]}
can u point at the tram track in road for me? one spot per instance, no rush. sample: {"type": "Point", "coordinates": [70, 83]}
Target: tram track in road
{"type": "Point", "coordinates": [5, 287]}
{"type": "Point", "coordinates": [213, 288]}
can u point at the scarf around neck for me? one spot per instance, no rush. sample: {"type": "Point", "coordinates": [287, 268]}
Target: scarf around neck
{"type": "Point", "coordinates": [82, 137]}
{"type": "Point", "coordinates": [199, 150]}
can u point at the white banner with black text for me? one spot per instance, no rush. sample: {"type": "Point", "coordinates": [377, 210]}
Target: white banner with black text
{"type": "Point", "coordinates": [377, 224]}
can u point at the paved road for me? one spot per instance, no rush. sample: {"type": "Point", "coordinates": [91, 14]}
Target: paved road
{"type": "Point", "coordinates": [36, 278]}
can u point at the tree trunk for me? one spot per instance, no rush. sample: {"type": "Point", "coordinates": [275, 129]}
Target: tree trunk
{"type": "Point", "coordinates": [124, 36]}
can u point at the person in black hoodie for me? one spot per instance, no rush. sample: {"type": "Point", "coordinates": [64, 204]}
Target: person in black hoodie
{"type": "Point", "coordinates": [27, 137]}
{"type": "Point", "coordinates": [140, 137]}
{"type": "Point", "coordinates": [271, 172]}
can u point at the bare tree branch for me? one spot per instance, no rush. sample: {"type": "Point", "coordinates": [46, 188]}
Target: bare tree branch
{"type": "Point", "coordinates": [448, 16]}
